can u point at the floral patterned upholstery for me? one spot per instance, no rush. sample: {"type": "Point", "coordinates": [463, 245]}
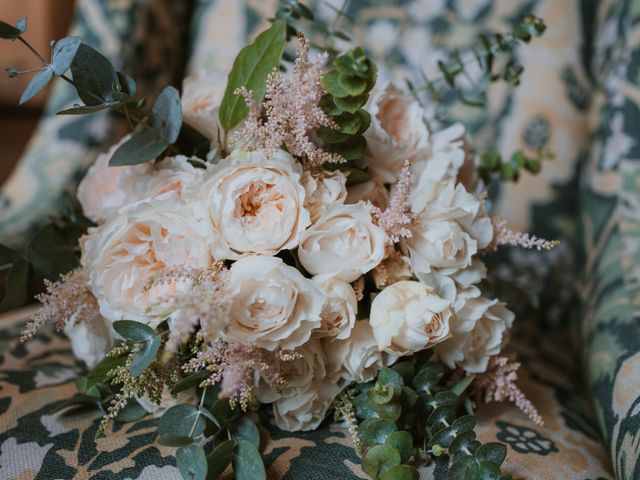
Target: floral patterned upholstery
{"type": "Point", "coordinates": [579, 97]}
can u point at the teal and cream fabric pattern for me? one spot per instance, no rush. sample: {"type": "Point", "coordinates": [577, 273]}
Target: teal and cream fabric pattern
{"type": "Point", "coordinates": [580, 97]}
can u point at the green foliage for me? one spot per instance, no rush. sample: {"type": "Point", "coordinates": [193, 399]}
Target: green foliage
{"type": "Point", "coordinates": [291, 12]}
{"type": "Point", "coordinates": [15, 278]}
{"type": "Point", "coordinates": [247, 462]}
{"type": "Point", "coordinates": [496, 57]}
{"type": "Point", "coordinates": [192, 462]}
{"type": "Point", "coordinates": [54, 250]}
{"type": "Point", "coordinates": [10, 32]}
{"type": "Point", "coordinates": [146, 341]}
{"type": "Point", "coordinates": [250, 70]}
{"type": "Point", "coordinates": [95, 79]}
{"type": "Point", "coordinates": [149, 141]}
{"type": "Point", "coordinates": [493, 164]}
{"type": "Point", "coordinates": [36, 85]}
{"type": "Point", "coordinates": [408, 415]}
{"type": "Point", "coordinates": [64, 52]}
{"type": "Point", "coordinates": [348, 83]}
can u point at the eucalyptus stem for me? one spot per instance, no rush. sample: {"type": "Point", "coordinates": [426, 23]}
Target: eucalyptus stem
{"type": "Point", "coordinates": [195, 422]}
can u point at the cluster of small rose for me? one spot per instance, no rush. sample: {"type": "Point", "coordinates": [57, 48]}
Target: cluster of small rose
{"type": "Point", "coordinates": [310, 267]}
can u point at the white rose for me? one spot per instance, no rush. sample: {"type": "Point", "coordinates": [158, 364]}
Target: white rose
{"type": "Point", "coordinates": [126, 253]}
{"type": "Point", "coordinates": [372, 191]}
{"type": "Point", "coordinates": [173, 174]}
{"type": "Point", "coordinates": [302, 403]}
{"type": "Point", "coordinates": [256, 204]}
{"type": "Point", "coordinates": [201, 98]}
{"type": "Point", "coordinates": [357, 358]}
{"type": "Point", "coordinates": [408, 317]}
{"type": "Point", "coordinates": [449, 157]}
{"type": "Point", "coordinates": [105, 189]}
{"type": "Point", "coordinates": [479, 330]}
{"type": "Point", "coordinates": [397, 133]}
{"type": "Point", "coordinates": [324, 190]}
{"type": "Point", "coordinates": [90, 340]}
{"type": "Point", "coordinates": [339, 312]}
{"type": "Point", "coordinates": [344, 242]}
{"type": "Point", "coordinates": [449, 227]}
{"type": "Point", "coordinates": [272, 305]}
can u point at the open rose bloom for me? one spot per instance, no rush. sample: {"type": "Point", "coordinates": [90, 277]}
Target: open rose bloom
{"type": "Point", "coordinates": [280, 272]}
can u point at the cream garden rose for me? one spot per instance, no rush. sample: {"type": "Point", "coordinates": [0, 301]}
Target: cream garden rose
{"type": "Point", "coordinates": [105, 189]}
{"type": "Point", "coordinates": [450, 227]}
{"type": "Point", "coordinates": [344, 242]}
{"type": "Point", "coordinates": [398, 132]}
{"type": "Point", "coordinates": [256, 204]}
{"type": "Point", "coordinates": [323, 190]}
{"type": "Point", "coordinates": [408, 316]}
{"type": "Point", "coordinates": [479, 331]}
{"type": "Point", "coordinates": [151, 237]}
{"type": "Point", "coordinates": [339, 312]}
{"type": "Point", "coordinates": [90, 341]}
{"type": "Point", "coordinates": [356, 358]}
{"type": "Point", "coordinates": [272, 305]}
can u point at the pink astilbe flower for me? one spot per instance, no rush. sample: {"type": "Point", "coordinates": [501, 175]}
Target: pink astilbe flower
{"type": "Point", "coordinates": [234, 365]}
{"type": "Point", "coordinates": [69, 297]}
{"type": "Point", "coordinates": [397, 217]}
{"type": "Point", "coordinates": [290, 111]}
{"type": "Point", "coordinates": [205, 304]}
{"type": "Point", "coordinates": [498, 384]}
{"type": "Point", "coordinates": [503, 235]}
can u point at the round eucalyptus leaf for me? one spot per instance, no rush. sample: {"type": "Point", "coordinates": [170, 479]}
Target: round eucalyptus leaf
{"type": "Point", "coordinates": [131, 412]}
{"type": "Point", "coordinates": [64, 51]}
{"type": "Point", "coordinates": [244, 428]}
{"type": "Point", "coordinates": [402, 441]}
{"type": "Point", "coordinates": [379, 459]}
{"type": "Point", "coordinates": [247, 462]}
{"type": "Point", "coordinates": [192, 462]}
{"type": "Point", "coordinates": [491, 452]}
{"type": "Point", "coordinates": [179, 420]}
{"type": "Point", "coordinates": [374, 431]}
{"type": "Point", "coordinates": [219, 458]}
{"type": "Point", "coordinates": [401, 472]}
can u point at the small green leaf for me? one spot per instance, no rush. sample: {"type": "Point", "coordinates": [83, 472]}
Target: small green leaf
{"type": "Point", "coordinates": [246, 429]}
{"type": "Point", "coordinates": [458, 469]}
{"type": "Point", "coordinates": [54, 250]}
{"type": "Point", "coordinates": [464, 423]}
{"type": "Point", "coordinates": [220, 458]}
{"type": "Point", "coordinates": [95, 78]}
{"type": "Point", "coordinates": [101, 372]}
{"type": "Point", "coordinates": [491, 452]}
{"type": "Point", "coordinates": [192, 462]}
{"type": "Point", "coordinates": [250, 69]}
{"type": "Point", "coordinates": [374, 431]}
{"type": "Point", "coordinates": [84, 109]}
{"type": "Point", "coordinates": [402, 441]}
{"type": "Point", "coordinates": [131, 412]}
{"type": "Point", "coordinates": [38, 82]}
{"type": "Point", "coordinates": [401, 472]}
{"type": "Point", "coordinates": [170, 440]}
{"type": "Point", "coordinates": [483, 471]}
{"type": "Point", "coordinates": [222, 411]}
{"type": "Point", "coordinates": [145, 356]}
{"type": "Point", "coordinates": [351, 149]}
{"type": "Point", "coordinates": [178, 421]}
{"type": "Point", "coordinates": [10, 32]}
{"type": "Point", "coordinates": [332, 84]}
{"type": "Point", "coordinates": [379, 459]}
{"type": "Point", "coordinates": [463, 442]}
{"type": "Point", "coordinates": [12, 72]}
{"type": "Point", "coordinates": [189, 382]}
{"type": "Point", "coordinates": [441, 417]}
{"type": "Point", "coordinates": [351, 104]}
{"type": "Point", "coordinates": [78, 400]}
{"type": "Point", "coordinates": [143, 146]}
{"type": "Point", "coordinates": [128, 84]}
{"type": "Point", "coordinates": [134, 331]}
{"type": "Point", "coordinates": [247, 462]}
{"type": "Point", "coordinates": [388, 376]}
{"type": "Point", "coordinates": [64, 51]}
{"type": "Point", "coordinates": [167, 115]}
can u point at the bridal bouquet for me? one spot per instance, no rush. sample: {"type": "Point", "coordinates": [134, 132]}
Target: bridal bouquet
{"type": "Point", "coordinates": [296, 234]}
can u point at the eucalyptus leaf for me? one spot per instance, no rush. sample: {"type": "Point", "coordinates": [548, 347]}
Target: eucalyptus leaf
{"type": "Point", "coordinates": [247, 462]}
{"type": "Point", "coordinates": [64, 51]}
{"type": "Point", "coordinates": [78, 400]}
{"type": "Point", "coordinates": [95, 78]}
{"type": "Point", "coordinates": [401, 472]}
{"type": "Point", "coordinates": [134, 331]}
{"type": "Point", "coordinates": [189, 382]}
{"type": "Point", "coordinates": [491, 452]}
{"type": "Point", "coordinates": [101, 372]}
{"type": "Point", "coordinates": [170, 440]}
{"type": "Point", "coordinates": [250, 69]}
{"type": "Point", "coordinates": [192, 462]}
{"type": "Point", "coordinates": [84, 109]}
{"type": "Point", "coordinates": [179, 420]}
{"type": "Point", "coordinates": [143, 146]}
{"type": "Point", "coordinates": [379, 459]}
{"type": "Point", "coordinates": [131, 412]}
{"type": "Point", "coordinates": [244, 428]}
{"type": "Point", "coordinates": [219, 459]}
{"type": "Point", "coordinates": [128, 84]}
{"type": "Point", "coordinates": [402, 441]}
{"type": "Point", "coordinates": [167, 115]}
{"type": "Point", "coordinates": [10, 32]}
{"type": "Point", "coordinates": [374, 431]}
{"type": "Point", "coordinates": [39, 81]}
